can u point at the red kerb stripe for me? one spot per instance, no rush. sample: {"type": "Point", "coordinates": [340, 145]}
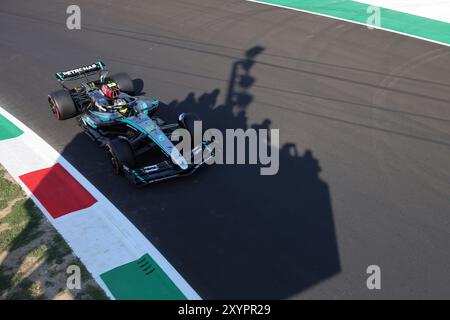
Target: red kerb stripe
{"type": "Point", "coordinates": [57, 190]}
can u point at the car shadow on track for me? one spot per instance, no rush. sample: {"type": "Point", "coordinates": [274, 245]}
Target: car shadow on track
{"type": "Point", "coordinates": [231, 232]}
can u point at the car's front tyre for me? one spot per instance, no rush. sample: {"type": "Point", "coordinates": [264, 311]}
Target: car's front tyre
{"type": "Point", "coordinates": [120, 154]}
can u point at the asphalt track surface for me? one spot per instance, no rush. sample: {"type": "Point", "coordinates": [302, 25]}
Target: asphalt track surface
{"type": "Point", "coordinates": [364, 119]}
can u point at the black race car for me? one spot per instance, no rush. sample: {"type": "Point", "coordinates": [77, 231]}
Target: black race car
{"type": "Point", "coordinates": [137, 142]}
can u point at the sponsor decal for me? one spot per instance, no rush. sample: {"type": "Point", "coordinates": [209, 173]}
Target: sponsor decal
{"type": "Point", "coordinates": [80, 70]}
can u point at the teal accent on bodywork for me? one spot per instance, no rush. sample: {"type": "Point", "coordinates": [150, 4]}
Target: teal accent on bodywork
{"type": "Point", "coordinates": [135, 174]}
{"type": "Point", "coordinates": [138, 127]}
{"type": "Point", "coordinates": [147, 126]}
{"type": "Point", "coordinates": [104, 116]}
{"type": "Point", "coordinates": [89, 122]}
{"type": "Point", "coordinates": [143, 105]}
{"type": "Point", "coordinates": [206, 145]}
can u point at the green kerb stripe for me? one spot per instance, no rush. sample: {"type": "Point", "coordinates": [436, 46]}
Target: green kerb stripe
{"type": "Point", "coordinates": [141, 279]}
{"type": "Point", "coordinates": [357, 12]}
{"type": "Point", "coordinates": [8, 130]}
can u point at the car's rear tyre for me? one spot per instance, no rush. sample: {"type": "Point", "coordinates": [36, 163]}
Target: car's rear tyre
{"type": "Point", "coordinates": [121, 154]}
{"type": "Point", "coordinates": [62, 105]}
{"type": "Point", "coordinates": [124, 82]}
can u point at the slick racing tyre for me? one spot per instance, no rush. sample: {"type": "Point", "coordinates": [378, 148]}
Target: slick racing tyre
{"type": "Point", "coordinates": [120, 153]}
{"type": "Point", "coordinates": [62, 105]}
{"type": "Point", "coordinates": [124, 82]}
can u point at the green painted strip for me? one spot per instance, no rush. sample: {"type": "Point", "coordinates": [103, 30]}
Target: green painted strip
{"type": "Point", "coordinates": [8, 130]}
{"type": "Point", "coordinates": [358, 12]}
{"type": "Point", "coordinates": [141, 279]}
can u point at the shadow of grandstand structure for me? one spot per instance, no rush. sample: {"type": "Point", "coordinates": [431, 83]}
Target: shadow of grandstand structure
{"type": "Point", "coordinates": [229, 231]}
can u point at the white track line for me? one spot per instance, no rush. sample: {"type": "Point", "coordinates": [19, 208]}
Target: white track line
{"type": "Point", "coordinates": [101, 236]}
{"type": "Point", "coordinates": [346, 20]}
{"type": "Point", "coordinates": [432, 9]}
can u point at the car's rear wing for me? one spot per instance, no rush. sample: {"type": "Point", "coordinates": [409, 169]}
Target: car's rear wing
{"type": "Point", "coordinates": [83, 71]}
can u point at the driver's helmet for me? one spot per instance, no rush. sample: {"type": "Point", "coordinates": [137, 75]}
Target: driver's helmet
{"type": "Point", "coordinates": [119, 102]}
{"type": "Point", "coordinates": [110, 90]}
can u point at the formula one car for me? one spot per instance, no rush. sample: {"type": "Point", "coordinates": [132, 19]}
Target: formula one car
{"type": "Point", "coordinates": [126, 126]}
